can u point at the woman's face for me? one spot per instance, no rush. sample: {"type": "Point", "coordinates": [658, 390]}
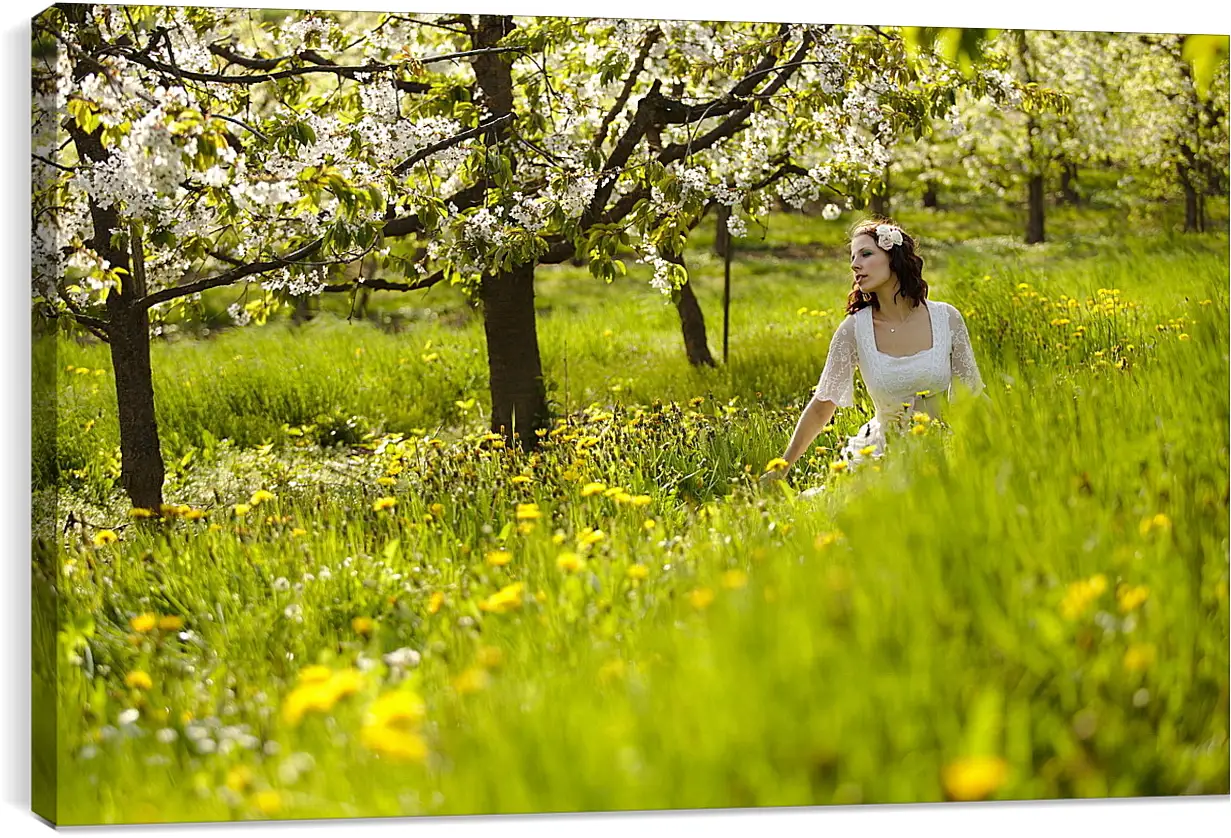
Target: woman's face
{"type": "Point", "coordinates": [870, 265]}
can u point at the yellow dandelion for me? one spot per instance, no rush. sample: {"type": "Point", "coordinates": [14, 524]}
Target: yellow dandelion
{"type": "Point", "coordinates": [521, 478]}
{"type": "Point", "coordinates": [649, 524]}
{"type": "Point", "coordinates": [400, 708]}
{"type": "Point", "coordinates": [194, 514]}
{"type": "Point", "coordinates": [918, 430]}
{"type": "Point", "coordinates": [776, 463]}
{"type": "Point", "coordinates": [473, 680]}
{"type": "Point", "coordinates": [589, 537]}
{"type": "Point", "coordinates": [239, 778]}
{"type": "Point", "coordinates": [499, 558]}
{"type": "Point", "coordinates": [490, 657]}
{"type": "Point", "coordinates": [506, 599]}
{"type": "Point", "coordinates": [298, 531]}
{"type": "Point", "coordinates": [260, 496]}
{"type": "Point", "coordinates": [613, 491]}
{"type": "Point", "coordinates": [974, 777]}
{"type": "Point", "coordinates": [385, 481]}
{"type": "Point", "coordinates": [267, 802]}
{"type": "Point", "coordinates": [1132, 596]}
{"type": "Point", "coordinates": [143, 622]}
{"type": "Point", "coordinates": [363, 626]}
{"type": "Point", "coordinates": [640, 500]}
{"type": "Point", "coordinates": [611, 670]}
{"type": "Point", "coordinates": [434, 602]}
{"type": "Point", "coordinates": [104, 537]}
{"type": "Point", "coordinates": [867, 450]}
{"type": "Point", "coordinates": [838, 465]}
{"type": "Point", "coordinates": [170, 622]}
{"type": "Point", "coordinates": [700, 598]}
{"type": "Point", "coordinates": [437, 509]}
{"type": "Point", "coordinates": [570, 562]}
{"type": "Point", "coordinates": [394, 743]}
{"type": "Point", "coordinates": [637, 572]}
{"type": "Point", "coordinates": [920, 417]}
{"type": "Point", "coordinates": [139, 680]}
{"type": "Point", "coordinates": [315, 674]}
{"type": "Point", "coordinates": [734, 578]}
{"type": "Point", "coordinates": [1139, 656]}
{"type": "Point", "coordinates": [242, 509]}
{"type": "Point", "coordinates": [381, 504]}
{"type": "Point", "coordinates": [140, 512]}
{"type": "Point", "coordinates": [528, 511]}
{"type": "Point", "coordinates": [1184, 336]}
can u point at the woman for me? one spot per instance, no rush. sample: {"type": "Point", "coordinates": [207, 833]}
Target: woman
{"type": "Point", "coordinates": [907, 349]}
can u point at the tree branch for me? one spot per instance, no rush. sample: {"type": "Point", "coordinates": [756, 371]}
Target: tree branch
{"type": "Point", "coordinates": [424, 153]}
{"type": "Point", "coordinates": [387, 285]}
{"type": "Point", "coordinates": [229, 277]}
{"type": "Point", "coordinates": [647, 43]}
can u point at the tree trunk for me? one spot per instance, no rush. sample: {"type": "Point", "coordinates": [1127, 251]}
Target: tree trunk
{"type": "Point", "coordinates": [128, 331]}
{"type": "Point", "coordinates": [1194, 198]}
{"type": "Point", "coordinates": [519, 398]}
{"type": "Point", "coordinates": [303, 309]}
{"type": "Point", "coordinates": [1068, 181]}
{"type": "Point", "coordinates": [692, 321]}
{"type": "Point", "coordinates": [722, 234]}
{"type": "Point", "coordinates": [141, 467]}
{"type": "Point", "coordinates": [880, 201]}
{"type": "Point", "coordinates": [1034, 221]}
{"type": "Point", "coordinates": [929, 196]}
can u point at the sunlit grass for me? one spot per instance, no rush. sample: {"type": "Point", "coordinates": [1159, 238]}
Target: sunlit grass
{"type": "Point", "coordinates": [365, 605]}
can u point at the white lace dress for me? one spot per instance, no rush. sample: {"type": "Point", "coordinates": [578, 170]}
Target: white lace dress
{"type": "Point", "coordinates": [899, 386]}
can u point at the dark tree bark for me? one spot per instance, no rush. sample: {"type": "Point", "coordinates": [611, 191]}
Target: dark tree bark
{"type": "Point", "coordinates": [879, 203]}
{"type": "Point", "coordinates": [1068, 183]}
{"type": "Point", "coordinates": [722, 234]}
{"type": "Point", "coordinates": [1034, 220]}
{"type": "Point", "coordinates": [692, 322]}
{"type": "Point", "coordinates": [1194, 203]}
{"type": "Point", "coordinates": [519, 397]}
{"type": "Point", "coordinates": [515, 368]}
{"type": "Point", "coordinates": [929, 196]}
{"type": "Point", "coordinates": [128, 330]}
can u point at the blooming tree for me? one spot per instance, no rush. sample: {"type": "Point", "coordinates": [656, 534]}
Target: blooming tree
{"type": "Point", "coordinates": [182, 149]}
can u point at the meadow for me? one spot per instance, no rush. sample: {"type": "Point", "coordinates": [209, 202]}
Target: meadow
{"type": "Point", "coordinates": [362, 604]}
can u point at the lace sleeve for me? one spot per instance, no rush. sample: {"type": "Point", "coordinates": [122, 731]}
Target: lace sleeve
{"type": "Point", "coordinates": [837, 382]}
{"type": "Point", "coordinates": [962, 357]}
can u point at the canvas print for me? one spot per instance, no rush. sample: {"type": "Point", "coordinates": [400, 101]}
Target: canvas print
{"type": "Point", "coordinates": [449, 413]}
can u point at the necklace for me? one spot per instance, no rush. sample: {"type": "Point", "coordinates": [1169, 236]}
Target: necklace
{"type": "Point", "coordinates": [893, 329]}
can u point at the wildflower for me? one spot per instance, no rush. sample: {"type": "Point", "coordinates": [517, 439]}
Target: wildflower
{"type": "Point", "coordinates": [143, 623]}
{"type": "Point", "coordinates": [570, 562]}
{"type": "Point", "coordinates": [1080, 594]}
{"type": "Point", "coordinates": [920, 417]}
{"type": "Point", "coordinates": [434, 602]}
{"type": "Point", "coordinates": [473, 680]}
{"type": "Point", "coordinates": [282, 584]}
{"type": "Point", "coordinates": [528, 511]}
{"type": "Point", "coordinates": [241, 509]}
{"type": "Point", "coordinates": [385, 481]}
{"type": "Point", "coordinates": [320, 696]}
{"type": "Point", "coordinates": [402, 658]}
{"type": "Point", "coordinates": [521, 478]}
{"type": "Point", "coordinates": [363, 626]}
{"type": "Point", "coordinates": [918, 430]}
{"type": "Point", "coordinates": [139, 680]}
{"type": "Point", "coordinates": [974, 778]}
{"type": "Point", "coordinates": [700, 598]}
{"type": "Point", "coordinates": [499, 558]}
{"type": "Point", "coordinates": [260, 496]}
{"type": "Point", "coordinates": [298, 531]}
{"type": "Point", "coordinates": [129, 716]}
{"type": "Point", "coordinates": [315, 674]}
{"type": "Point", "coordinates": [1184, 336]}
{"type": "Point", "coordinates": [867, 450]}
{"type": "Point", "coordinates": [267, 802]}
{"type": "Point", "coordinates": [649, 524]}
{"type": "Point", "coordinates": [103, 537]}
{"type": "Point", "coordinates": [838, 465]}
{"type": "Point", "coordinates": [637, 572]}
{"type": "Point", "coordinates": [140, 512]}
{"type": "Point", "coordinates": [506, 599]}
{"type": "Point", "coordinates": [401, 708]}
{"type": "Point", "coordinates": [437, 509]}
{"type": "Point", "coordinates": [613, 491]}
{"type": "Point", "coordinates": [640, 500]}
{"type": "Point", "coordinates": [734, 578]}
{"type": "Point", "coordinates": [776, 463]}
{"type": "Point", "coordinates": [588, 537]}
{"type": "Point", "coordinates": [170, 622]}
{"type": "Point", "coordinates": [239, 778]}
{"type": "Point", "coordinates": [1138, 657]}
{"type": "Point", "coordinates": [1131, 597]}
{"type": "Point", "coordinates": [381, 504]}
{"type": "Point", "coordinates": [194, 515]}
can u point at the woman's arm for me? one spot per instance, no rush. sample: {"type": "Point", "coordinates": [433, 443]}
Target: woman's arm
{"type": "Point", "coordinates": [811, 422]}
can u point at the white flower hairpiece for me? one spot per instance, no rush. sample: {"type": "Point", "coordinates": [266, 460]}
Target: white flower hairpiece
{"type": "Point", "coordinates": [887, 236]}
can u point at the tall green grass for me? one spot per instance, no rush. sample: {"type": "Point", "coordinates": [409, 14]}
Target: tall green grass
{"type": "Point", "coordinates": [1043, 586]}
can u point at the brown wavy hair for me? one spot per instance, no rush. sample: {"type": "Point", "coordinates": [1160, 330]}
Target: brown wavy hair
{"type": "Point", "coordinates": [904, 261]}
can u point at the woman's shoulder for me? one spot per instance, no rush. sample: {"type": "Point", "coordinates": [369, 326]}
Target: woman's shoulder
{"type": "Point", "coordinates": [947, 309]}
